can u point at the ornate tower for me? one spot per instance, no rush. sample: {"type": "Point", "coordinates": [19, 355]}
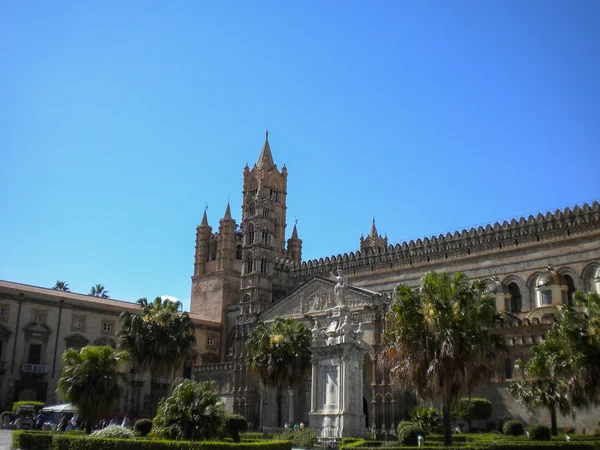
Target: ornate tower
{"type": "Point", "coordinates": [263, 230]}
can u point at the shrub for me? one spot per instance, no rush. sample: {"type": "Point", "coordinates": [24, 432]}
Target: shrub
{"type": "Point", "coordinates": [114, 432]}
{"type": "Point", "coordinates": [64, 442]}
{"type": "Point", "coordinates": [193, 412]}
{"type": "Point", "coordinates": [401, 425]}
{"type": "Point", "coordinates": [26, 440]}
{"type": "Point", "coordinates": [513, 427]}
{"type": "Point", "coordinates": [143, 427]}
{"type": "Point", "coordinates": [427, 419]}
{"type": "Point", "coordinates": [407, 435]}
{"type": "Point", "coordinates": [235, 424]}
{"type": "Point", "coordinates": [36, 405]}
{"type": "Point", "coordinates": [302, 438]}
{"type": "Point", "coordinates": [539, 433]}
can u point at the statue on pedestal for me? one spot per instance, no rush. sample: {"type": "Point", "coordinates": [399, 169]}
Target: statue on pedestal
{"type": "Point", "coordinates": [340, 288]}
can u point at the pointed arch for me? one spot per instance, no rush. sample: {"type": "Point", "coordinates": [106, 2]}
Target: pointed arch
{"type": "Point", "coordinates": [526, 300]}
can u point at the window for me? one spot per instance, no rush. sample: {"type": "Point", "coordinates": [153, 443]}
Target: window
{"type": "Point", "coordinates": [546, 297]}
{"type": "Point", "coordinates": [3, 312]}
{"type": "Point", "coordinates": [209, 340]}
{"type": "Point", "coordinates": [570, 291]}
{"type": "Point", "coordinates": [516, 301]}
{"type": "Point", "coordinates": [35, 353]}
{"type": "Point", "coordinates": [146, 406]}
{"type": "Point", "coordinates": [78, 323]}
{"type": "Point", "coordinates": [108, 326]}
{"type": "Point", "coordinates": [187, 370]}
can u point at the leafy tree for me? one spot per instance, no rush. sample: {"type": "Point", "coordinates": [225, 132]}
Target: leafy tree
{"type": "Point", "coordinates": [280, 354]}
{"type": "Point", "coordinates": [158, 338]}
{"type": "Point", "coordinates": [91, 381]}
{"type": "Point", "coordinates": [440, 342]}
{"type": "Point", "coordinates": [192, 412]}
{"type": "Point", "coordinates": [61, 286]}
{"type": "Point", "coordinates": [564, 369]}
{"type": "Point", "coordinates": [99, 291]}
{"type": "Point", "coordinates": [470, 409]}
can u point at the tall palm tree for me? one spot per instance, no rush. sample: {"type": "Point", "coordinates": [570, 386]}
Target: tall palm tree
{"type": "Point", "coordinates": [99, 291]}
{"type": "Point", "coordinates": [280, 354]}
{"type": "Point", "coordinates": [91, 381]}
{"type": "Point", "coordinates": [440, 343]}
{"type": "Point", "coordinates": [158, 338]}
{"type": "Point", "coordinates": [61, 286]}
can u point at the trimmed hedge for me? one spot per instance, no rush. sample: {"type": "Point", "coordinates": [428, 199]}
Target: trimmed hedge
{"type": "Point", "coordinates": [63, 442]}
{"type": "Point", "coordinates": [513, 428]}
{"type": "Point", "coordinates": [539, 433]}
{"type": "Point", "coordinates": [31, 440]}
{"type": "Point", "coordinates": [37, 405]}
{"type": "Point", "coordinates": [143, 426]}
{"type": "Point", "coordinates": [407, 435]}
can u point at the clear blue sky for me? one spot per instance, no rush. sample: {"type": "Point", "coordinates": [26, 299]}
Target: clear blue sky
{"type": "Point", "coordinates": [119, 120]}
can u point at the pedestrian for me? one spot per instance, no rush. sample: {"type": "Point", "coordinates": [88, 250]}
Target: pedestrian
{"type": "Point", "coordinates": [126, 422]}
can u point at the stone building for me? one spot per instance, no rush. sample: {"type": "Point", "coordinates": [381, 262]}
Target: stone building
{"type": "Point", "coordinates": [248, 272]}
{"type": "Point", "coordinates": [38, 324]}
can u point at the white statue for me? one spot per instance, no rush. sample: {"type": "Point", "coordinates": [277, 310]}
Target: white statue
{"type": "Point", "coordinates": [341, 286]}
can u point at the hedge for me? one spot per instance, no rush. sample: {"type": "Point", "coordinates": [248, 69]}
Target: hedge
{"type": "Point", "coordinates": [31, 440]}
{"type": "Point", "coordinates": [37, 405]}
{"type": "Point", "coordinates": [63, 442]}
{"type": "Point", "coordinates": [502, 446]}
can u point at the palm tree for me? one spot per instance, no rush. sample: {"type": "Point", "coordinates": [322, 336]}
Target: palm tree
{"type": "Point", "coordinates": [158, 338]}
{"type": "Point", "coordinates": [99, 291]}
{"type": "Point", "coordinates": [91, 381]}
{"type": "Point", "coordinates": [61, 286]}
{"type": "Point", "coordinates": [280, 354]}
{"type": "Point", "coordinates": [440, 343]}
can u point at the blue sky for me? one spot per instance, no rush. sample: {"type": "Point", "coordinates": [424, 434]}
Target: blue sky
{"type": "Point", "coordinates": [120, 120]}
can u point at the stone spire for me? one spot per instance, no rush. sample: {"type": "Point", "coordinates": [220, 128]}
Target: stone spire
{"type": "Point", "coordinates": [295, 232]}
{"type": "Point", "coordinates": [265, 160]}
{"type": "Point", "coordinates": [204, 222]}
{"type": "Point", "coordinates": [373, 232]}
{"type": "Point", "coordinates": [227, 212]}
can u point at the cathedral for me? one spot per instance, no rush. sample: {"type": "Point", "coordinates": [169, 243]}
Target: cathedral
{"type": "Point", "coordinates": [248, 272]}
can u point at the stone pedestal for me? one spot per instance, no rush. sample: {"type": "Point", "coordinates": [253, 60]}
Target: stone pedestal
{"type": "Point", "coordinates": [337, 378]}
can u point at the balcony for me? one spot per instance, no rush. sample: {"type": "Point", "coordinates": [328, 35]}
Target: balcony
{"type": "Point", "coordinates": [136, 378]}
{"type": "Point", "coordinates": [34, 368]}
{"type": "Point", "coordinates": [165, 381]}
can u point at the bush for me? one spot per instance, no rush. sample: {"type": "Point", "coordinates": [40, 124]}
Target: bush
{"type": "Point", "coordinates": [143, 427]}
{"type": "Point", "coordinates": [513, 427]}
{"type": "Point", "coordinates": [64, 442]}
{"type": "Point", "coordinates": [114, 432]}
{"type": "Point", "coordinates": [36, 405]}
{"type": "Point", "coordinates": [490, 425]}
{"type": "Point", "coordinates": [234, 425]}
{"type": "Point", "coordinates": [427, 419]}
{"type": "Point", "coordinates": [407, 435]}
{"type": "Point", "coordinates": [401, 425]}
{"type": "Point", "coordinates": [539, 433]}
{"type": "Point", "coordinates": [302, 438]}
{"type": "Point", "coordinates": [26, 440]}
{"type": "Point", "coordinates": [193, 412]}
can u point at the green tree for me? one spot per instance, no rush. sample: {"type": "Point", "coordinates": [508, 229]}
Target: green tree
{"type": "Point", "coordinates": [99, 291]}
{"type": "Point", "coordinates": [441, 342]}
{"type": "Point", "coordinates": [192, 412]}
{"type": "Point", "coordinates": [91, 381]}
{"type": "Point", "coordinates": [280, 354]}
{"type": "Point", "coordinates": [61, 286]}
{"type": "Point", "coordinates": [158, 338]}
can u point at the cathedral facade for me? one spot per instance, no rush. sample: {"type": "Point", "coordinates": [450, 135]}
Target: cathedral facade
{"type": "Point", "coordinates": [248, 272]}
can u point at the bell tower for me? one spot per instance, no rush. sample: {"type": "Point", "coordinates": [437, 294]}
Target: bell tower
{"type": "Point", "coordinates": [263, 229]}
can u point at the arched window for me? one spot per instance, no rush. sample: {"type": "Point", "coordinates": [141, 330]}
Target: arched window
{"type": "Point", "coordinates": [250, 239]}
{"type": "Point", "coordinates": [571, 290]}
{"type": "Point", "coordinates": [516, 300]}
{"type": "Point", "coordinates": [508, 369]}
{"type": "Point", "coordinates": [238, 252]}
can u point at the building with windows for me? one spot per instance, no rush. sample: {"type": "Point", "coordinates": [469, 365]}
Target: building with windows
{"type": "Point", "coordinates": [38, 324]}
{"type": "Point", "coordinates": [245, 272]}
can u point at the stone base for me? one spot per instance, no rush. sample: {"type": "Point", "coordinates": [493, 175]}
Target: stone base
{"type": "Point", "coordinates": [332, 426]}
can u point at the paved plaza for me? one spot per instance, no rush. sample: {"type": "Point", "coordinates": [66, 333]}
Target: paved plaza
{"type": "Point", "coordinates": [5, 437]}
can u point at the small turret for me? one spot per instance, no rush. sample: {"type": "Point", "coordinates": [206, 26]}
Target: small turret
{"type": "Point", "coordinates": [203, 233]}
{"type": "Point", "coordinates": [295, 246]}
{"type": "Point", "coordinates": [373, 240]}
{"type": "Point", "coordinates": [226, 241]}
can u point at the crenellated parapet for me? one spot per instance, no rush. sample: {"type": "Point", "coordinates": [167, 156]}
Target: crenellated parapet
{"type": "Point", "coordinates": [551, 226]}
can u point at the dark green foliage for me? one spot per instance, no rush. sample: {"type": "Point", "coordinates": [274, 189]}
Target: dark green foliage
{"type": "Point", "coordinates": [407, 435]}
{"type": "Point", "coordinates": [235, 424]}
{"type": "Point", "coordinates": [490, 425]}
{"type": "Point", "coordinates": [27, 440]}
{"type": "Point", "coordinates": [513, 428]}
{"type": "Point", "coordinates": [539, 433]}
{"type": "Point", "coordinates": [474, 409]}
{"type": "Point", "coordinates": [302, 438]}
{"type": "Point", "coordinates": [427, 419]}
{"type": "Point", "coordinates": [35, 404]}
{"type": "Point", "coordinates": [403, 424]}
{"type": "Point", "coordinates": [143, 427]}
{"type": "Point", "coordinates": [65, 442]}
{"type": "Point", "coordinates": [193, 412]}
